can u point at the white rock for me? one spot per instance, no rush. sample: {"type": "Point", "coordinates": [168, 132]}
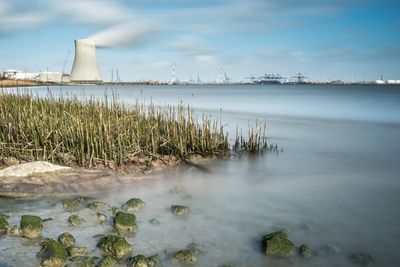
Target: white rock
{"type": "Point", "coordinates": [27, 169]}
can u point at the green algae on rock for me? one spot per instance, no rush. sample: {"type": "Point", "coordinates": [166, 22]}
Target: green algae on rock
{"type": "Point", "coordinates": [78, 251]}
{"type": "Point", "coordinates": [362, 259]}
{"type": "Point", "coordinates": [107, 261]}
{"type": "Point", "coordinates": [277, 244]}
{"type": "Point", "coordinates": [133, 204]}
{"type": "Point", "coordinates": [67, 240]}
{"type": "Point", "coordinates": [31, 226]}
{"type": "Point", "coordinates": [83, 261]}
{"type": "Point", "coordinates": [125, 222]}
{"type": "Point", "coordinates": [116, 246]}
{"type": "Point", "coordinates": [180, 210]}
{"type": "Point", "coordinates": [138, 261]}
{"type": "Point", "coordinates": [74, 204]}
{"type": "Point", "coordinates": [75, 220]}
{"type": "Point", "coordinates": [97, 205]}
{"type": "Point", "coordinates": [305, 251]}
{"type": "Point", "coordinates": [3, 225]}
{"type": "Point", "coordinates": [52, 254]}
{"type": "Point", "coordinates": [184, 257]}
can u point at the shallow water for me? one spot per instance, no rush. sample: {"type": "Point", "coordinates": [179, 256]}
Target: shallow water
{"type": "Point", "coordinates": [336, 182]}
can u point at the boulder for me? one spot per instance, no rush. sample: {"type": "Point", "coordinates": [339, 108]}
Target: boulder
{"type": "Point", "coordinates": [277, 244]}
{"type": "Point", "coordinates": [107, 261]}
{"type": "Point", "coordinates": [74, 220]}
{"type": "Point", "coordinates": [125, 222]}
{"type": "Point", "coordinates": [184, 257]}
{"type": "Point", "coordinates": [74, 204]}
{"type": "Point", "coordinates": [362, 259]}
{"type": "Point", "coordinates": [30, 168]}
{"type": "Point", "coordinates": [138, 261]}
{"type": "Point", "coordinates": [154, 260]}
{"type": "Point", "coordinates": [133, 204]}
{"type": "Point", "coordinates": [31, 226]}
{"type": "Point", "coordinates": [52, 254]}
{"type": "Point", "coordinates": [180, 210]}
{"type": "Point", "coordinates": [97, 205]}
{"type": "Point", "coordinates": [78, 251]}
{"type": "Point", "coordinates": [3, 225]}
{"type": "Point", "coordinates": [305, 251]}
{"type": "Point", "coordinates": [66, 239]}
{"type": "Point", "coordinates": [115, 246]}
{"type": "Point", "coordinates": [83, 261]}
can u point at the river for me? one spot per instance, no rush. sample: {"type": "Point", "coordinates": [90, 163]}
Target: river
{"type": "Point", "coordinates": [333, 184]}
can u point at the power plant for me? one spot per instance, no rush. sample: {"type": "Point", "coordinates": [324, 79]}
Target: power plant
{"type": "Point", "coordinates": [85, 69]}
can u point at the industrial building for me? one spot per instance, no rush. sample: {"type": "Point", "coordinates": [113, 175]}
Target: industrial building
{"type": "Point", "coordinates": [85, 69]}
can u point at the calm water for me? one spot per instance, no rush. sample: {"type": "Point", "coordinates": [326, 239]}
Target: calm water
{"type": "Point", "coordinates": [336, 183]}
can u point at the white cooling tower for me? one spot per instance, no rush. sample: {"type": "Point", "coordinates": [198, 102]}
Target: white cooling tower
{"type": "Point", "coordinates": [85, 67]}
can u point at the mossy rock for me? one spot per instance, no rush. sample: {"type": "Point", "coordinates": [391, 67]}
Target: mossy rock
{"type": "Point", "coordinates": [184, 257]}
{"type": "Point", "coordinates": [67, 240]}
{"type": "Point", "coordinates": [14, 231]}
{"type": "Point", "coordinates": [138, 261]}
{"type": "Point", "coordinates": [277, 244]}
{"type": "Point", "coordinates": [154, 260]}
{"type": "Point", "coordinates": [180, 210]}
{"type": "Point", "coordinates": [305, 251]}
{"type": "Point", "coordinates": [197, 248]}
{"type": "Point", "coordinates": [83, 261]}
{"type": "Point", "coordinates": [52, 254]}
{"type": "Point", "coordinates": [97, 205]}
{"type": "Point", "coordinates": [3, 225]}
{"type": "Point", "coordinates": [133, 204]}
{"type": "Point", "coordinates": [31, 226]}
{"type": "Point", "coordinates": [114, 210]}
{"type": "Point", "coordinates": [75, 220]}
{"type": "Point", "coordinates": [107, 261]}
{"type": "Point", "coordinates": [125, 222]}
{"type": "Point", "coordinates": [74, 204]}
{"type": "Point", "coordinates": [5, 216]}
{"type": "Point", "coordinates": [362, 259]}
{"type": "Point", "coordinates": [78, 251]}
{"type": "Point", "coordinates": [115, 246]}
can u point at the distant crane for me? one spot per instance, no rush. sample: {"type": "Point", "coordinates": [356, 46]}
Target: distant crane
{"type": "Point", "coordinates": [252, 78]}
{"type": "Point", "coordinates": [65, 64]}
{"type": "Point", "coordinates": [299, 78]}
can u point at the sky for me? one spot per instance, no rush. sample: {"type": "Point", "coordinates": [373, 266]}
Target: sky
{"type": "Point", "coordinates": [322, 39]}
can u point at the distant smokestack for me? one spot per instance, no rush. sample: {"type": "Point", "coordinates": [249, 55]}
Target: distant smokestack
{"type": "Point", "coordinates": [85, 67]}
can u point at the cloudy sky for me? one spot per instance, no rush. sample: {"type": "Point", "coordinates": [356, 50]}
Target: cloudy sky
{"type": "Point", "coordinates": [323, 39]}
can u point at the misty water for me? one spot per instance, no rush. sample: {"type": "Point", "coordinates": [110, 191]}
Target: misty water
{"type": "Point", "coordinates": [335, 185]}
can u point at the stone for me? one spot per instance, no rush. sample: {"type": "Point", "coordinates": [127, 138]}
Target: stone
{"type": "Point", "coordinates": [83, 261]}
{"type": "Point", "coordinates": [196, 248]}
{"type": "Point", "coordinates": [115, 246]}
{"type": "Point", "coordinates": [138, 261]}
{"type": "Point", "coordinates": [66, 239]}
{"type": "Point", "coordinates": [184, 257]}
{"type": "Point", "coordinates": [74, 204]}
{"type": "Point", "coordinates": [133, 204]}
{"type": "Point", "coordinates": [305, 251]}
{"type": "Point", "coordinates": [31, 226]}
{"type": "Point", "coordinates": [101, 217]}
{"type": "Point", "coordinates": [30, 168]}
{"type": "Point", "coordinates": [277, 244]}
{"type": "Point", "coordinates": [14, 231]}
{"type": "Point", "coordinates": [177, 190]}
{"type": "Point", "coordinates": [107, 261]}
{"type": "Point", "coordinates": [78, 251]}
{"type": "Point", "coordinates": [125, 222]}
{"type": "Point", "coordinates": [52, 254]}
{"type": "Point", "coordinates": [362, 259]}
{"type": "Point", "coordinates": [154, 260]}
{"type": "Point", "coordinates": [114, 210]}
{"type": "Point", "coordinates": [75, 220]}
{"type": "Point", "coordinates": [154, 222]}
{"type": "Point", "coordinates": [97, 205]}
{"type": "Point", "coordinates": [180, 210]}
{"type": "Point", "coordinates": [3, 225]}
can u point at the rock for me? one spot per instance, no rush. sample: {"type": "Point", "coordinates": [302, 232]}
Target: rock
{"type": "Point", "coordinates": [305, 251]}
{"type": "Point", "coordinates": [196, 248]}
{"type": "Point", "coordinates": [101, 217]}
{"type": "Point", "coordinates": [179, 210]}
{"type": "Point", "coordinates": [78, 251]}
{"type": "Point", "coordinates": [329, 249]}
{"type": "Point", "coordinates": [116, 246]}
{"type": "Point", "coordinates": [154, 222]}
{"type": "Point", "coordinates": [75, 220]}
{"type": "Point", "coordinates": [83, 261]}
{"type": "Point", "coordinates": [277, 244]}
{"type": "Point", "coordinates": [14, 231]}
{"type": "Point", "coordinates": [114, 210]}
{"type": "Point", "coordinates": [184, 257]}
{"type": "Point", "coordinates": [67, 240]}
{"type": "Point", "coordinates": [138, 261]}
{"type": "Point", "coordinates": [31, 226]}
{"type": "Point", "coordinates": [28, 169]}
{"type": "Point", "coordinates": [154, 260]}
{"type": "Point", "coordinates": [74, 204]}
{"type": "Point", "coordinates": [133, 204]}
{"type": "Point", "coordinates": [3, 225]}
{"type": "Point", "coordinates": [4, 216]}
{"type": "Point", "coordinates": [362, 259]}
{"type": "Point", "coordinates": [97, 205]}
{"type": "Point", "coordinates": [52, 254]}
{"type": "Point", "coordinates": [177, 190]}
{"type": "Point", "coordinates": [107, 262]}
{"type": "Point", "coordinates": [125, 222]}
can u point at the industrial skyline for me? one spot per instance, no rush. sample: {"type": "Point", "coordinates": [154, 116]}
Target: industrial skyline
{"type": "Point", "coordinates": [325, 40]}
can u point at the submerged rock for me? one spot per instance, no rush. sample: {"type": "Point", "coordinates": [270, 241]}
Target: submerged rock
{"type": "Point", "coordinates": [3, 225]}
{"type": "Point", "coordinates": [52, 254]}
{"type": "Point", "coordinates": [83, 261]}
{"type": "Point", "coordinates": [277, 244]}
{"type": "Point", "coordinates": [14, 231]}
{"type": "Point", "coordinates": [196, 248]}
{"type": "Point", "coordinates": [97, 205]}
{"type": "Point", "coordinates": [177, 190]}
{"type": "Point", "coordinates": [184, 257]}
{"type": "Point", "coordinates": [107, 261]}
{"type": "Point", "coordinates": [138, 261]}
{"type": "Point", "coordinates": [115, 246]}
{"type": "Point", "coordinates": [78, 251]}
{"type": "Point", "coordinates": [180, 210]}
{"type": "Point", "coordinates": [133, 204]}
{"type": "Point", "coordinates": [31, 226]}
{"type": "Point", "coordinates": [362, 259]}
{"type": "Point", "coordinates": [305, 251]}
{"type": "Point", "coordinates": [66, 239]}
{"type": "Point", "coordinates": [75, 220]}
{"type": "Point", "coordinates": [125, 222]}
{"type": "Point", "coordinates": [74, 204]}
{"type": "Point", "coordinates": [154, 222]}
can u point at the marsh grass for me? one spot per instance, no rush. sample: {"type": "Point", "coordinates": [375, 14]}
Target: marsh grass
{"type": "Point", "coordinates": [92, 132]}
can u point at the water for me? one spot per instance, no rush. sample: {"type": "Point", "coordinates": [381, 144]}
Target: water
{"type": "Point", "coordinates": [336, 183]}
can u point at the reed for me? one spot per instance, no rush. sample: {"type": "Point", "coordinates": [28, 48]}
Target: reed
{"type": "Point", "coordinates": [106, 132]}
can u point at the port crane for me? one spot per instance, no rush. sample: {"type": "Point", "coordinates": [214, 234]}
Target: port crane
{"type": "Point", "coordinates": [299, 78]}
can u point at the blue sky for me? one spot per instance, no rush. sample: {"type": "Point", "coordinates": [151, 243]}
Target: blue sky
{"type": "Point", "coordinates": [323, 39]}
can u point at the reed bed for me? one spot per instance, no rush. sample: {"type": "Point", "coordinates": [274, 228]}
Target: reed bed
{"type": "Point", "coordinates": [91, 133]}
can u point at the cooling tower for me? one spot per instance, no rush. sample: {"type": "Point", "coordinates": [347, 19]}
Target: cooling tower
{"type": "Point", "coordinates": [85, 67]}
